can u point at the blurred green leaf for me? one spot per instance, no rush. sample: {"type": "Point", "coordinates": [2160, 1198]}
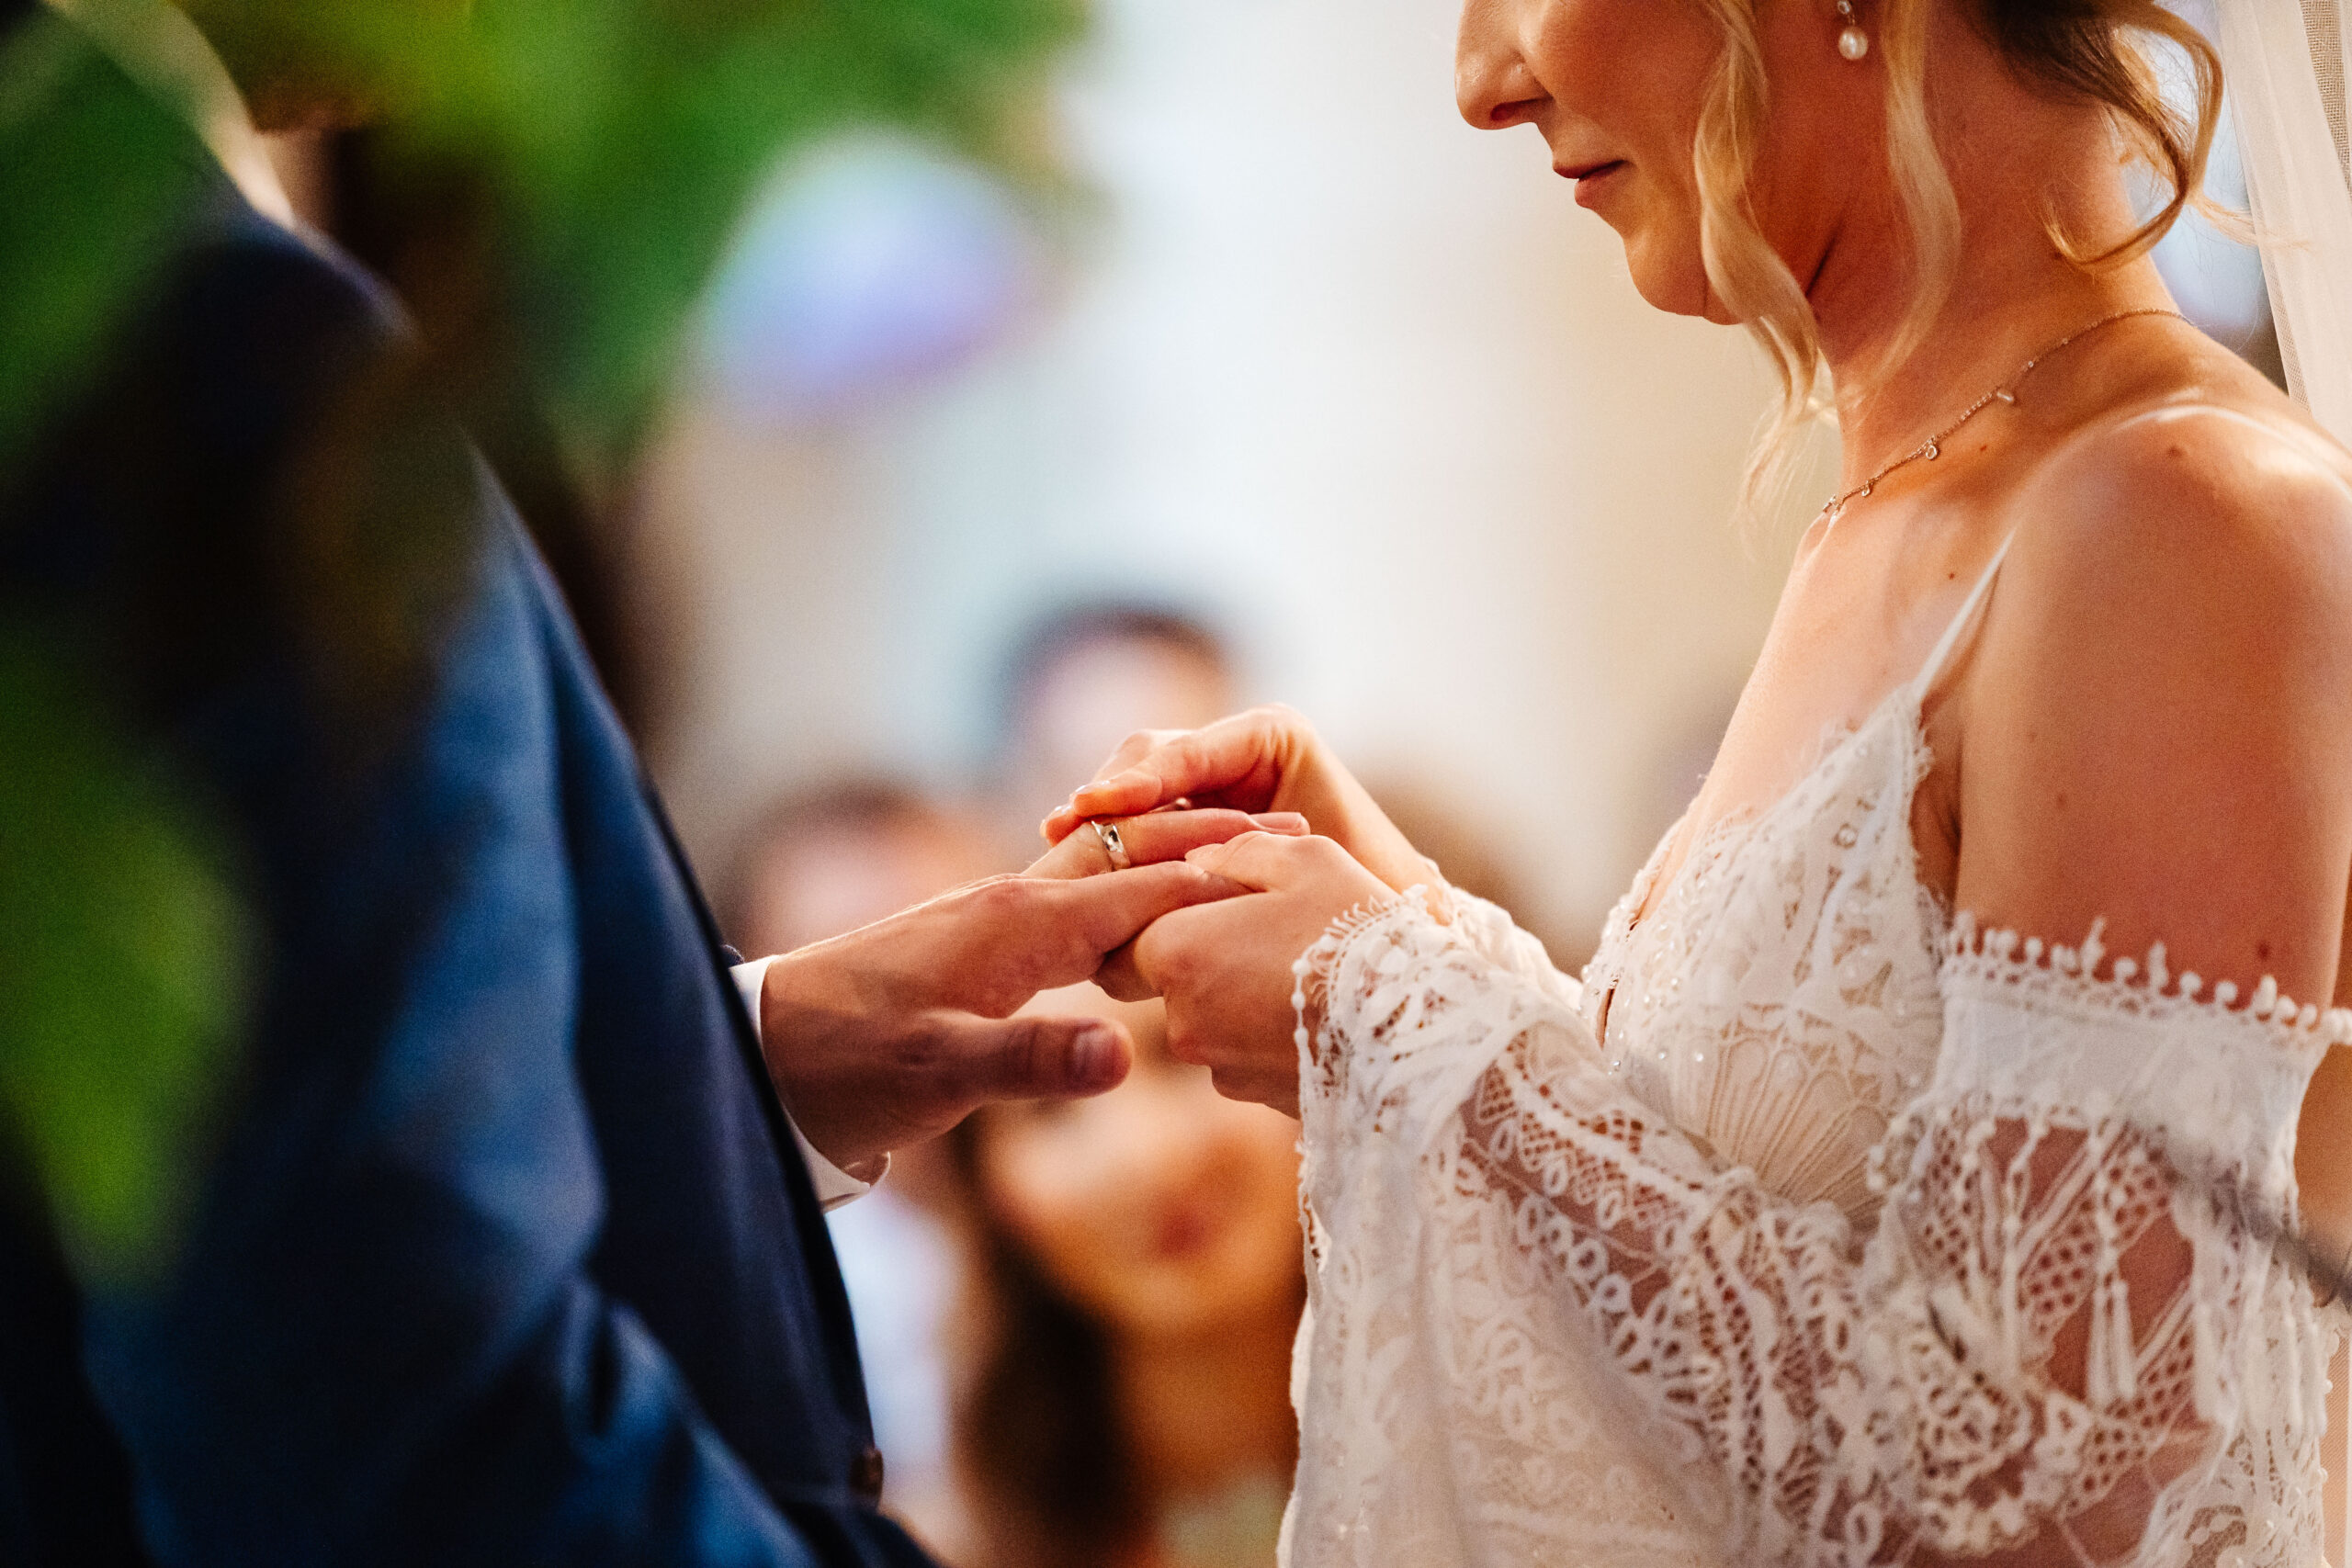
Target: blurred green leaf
{"type": "Point", "coordinates": [624, 208]}
{"type": "Point", "coordinates": [96, 179]}
{"type": "Point", "coordinates": [121, 974]}
{"type": "Point", "coordinates": [624, 138]}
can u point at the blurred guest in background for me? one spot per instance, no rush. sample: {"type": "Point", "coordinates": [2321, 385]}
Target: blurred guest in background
{"type": "Point", "coordinates": [1123, 1398]}
{"type": "Point", "coordinates": [1123, 1389]}
{"type": "Point", "coordinates": [832, 858]}
{"type": "Point", "coordinates": [1084, 678]}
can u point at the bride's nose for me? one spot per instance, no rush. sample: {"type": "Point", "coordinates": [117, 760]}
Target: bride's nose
{"type": "Point", "coordinates": [1492, 84]}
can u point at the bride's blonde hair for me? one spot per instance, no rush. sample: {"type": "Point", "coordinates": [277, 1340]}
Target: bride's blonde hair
{"type": "Point", "coordinates": [2099, 50]}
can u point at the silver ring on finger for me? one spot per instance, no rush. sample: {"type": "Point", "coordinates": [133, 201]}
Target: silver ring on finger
{"type": "Point", "coordinates": [1112, 845]}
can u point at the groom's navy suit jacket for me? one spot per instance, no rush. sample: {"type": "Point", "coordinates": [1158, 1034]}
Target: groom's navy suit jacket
{"type": "Point", "coordinates": [503, 1253]}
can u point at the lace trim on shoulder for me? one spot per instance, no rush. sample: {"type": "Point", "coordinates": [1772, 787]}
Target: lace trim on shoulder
{"type": "Point", "coordinates": [2051, 1343]}
{"type": "Point", "coordinates": [2069, 979]}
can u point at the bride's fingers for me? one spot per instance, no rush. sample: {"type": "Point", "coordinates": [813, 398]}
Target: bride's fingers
{"type": "Point", "coordinates": [1236, 759]}
{"type": "Point", "coordinates": [1172, 835]}
{"type": "Point", "coordinates": [1266, 862]}
{"type": "Point", "coordinates": [1134, 748]}
{"type": "Point", "coordinates": [1063, 820]}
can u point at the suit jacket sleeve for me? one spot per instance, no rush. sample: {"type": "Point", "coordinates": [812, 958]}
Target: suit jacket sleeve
{"type": "Point", "coordinates": [388, 1336]}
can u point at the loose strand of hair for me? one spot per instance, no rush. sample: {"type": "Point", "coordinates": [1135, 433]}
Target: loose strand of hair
{"type": "Point", "coordinates": [2118, 71]}
{"type": "Point", "coordinates": [1747, 275]}
{"type": "Point", "coordinates": [1930, 206]}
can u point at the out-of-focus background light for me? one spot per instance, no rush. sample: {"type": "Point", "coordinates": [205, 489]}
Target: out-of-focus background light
{"type": "Point", "coordinates": [869, 264]}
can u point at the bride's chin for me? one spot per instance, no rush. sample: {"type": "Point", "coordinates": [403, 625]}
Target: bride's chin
{"type": "Point", "coordinates": [1676, 284]}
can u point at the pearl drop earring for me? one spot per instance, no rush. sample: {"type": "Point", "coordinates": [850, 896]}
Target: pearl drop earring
{"type": "Point", "coordinates": [1852, 43]}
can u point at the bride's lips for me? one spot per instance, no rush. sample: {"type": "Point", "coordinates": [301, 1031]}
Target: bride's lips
{"type": "Point", "coordinates": [1591, 178]}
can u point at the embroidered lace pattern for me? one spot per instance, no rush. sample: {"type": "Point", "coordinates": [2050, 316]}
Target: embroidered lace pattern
{"type": "Point", "coordinates": [1863, 1240]}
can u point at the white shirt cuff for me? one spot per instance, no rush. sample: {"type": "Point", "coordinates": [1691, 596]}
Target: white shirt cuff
{"type": "Point", "coordinates": [834, 1186]}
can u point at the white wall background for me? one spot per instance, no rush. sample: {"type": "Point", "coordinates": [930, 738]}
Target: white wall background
{"type": "Point", "coordinates": [1329, 359]}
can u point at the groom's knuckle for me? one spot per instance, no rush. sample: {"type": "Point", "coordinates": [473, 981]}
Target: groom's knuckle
{"type": "Point", "coordinates": [924, 1049]}
{"type": "Point", "coordinates": [988, 1061]}
{"type": "Point", "coordinates": [1032, 1057]}
{"type": "Point", "coordinates": [1000, 901]}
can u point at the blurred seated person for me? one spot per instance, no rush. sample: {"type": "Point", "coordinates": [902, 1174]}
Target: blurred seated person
{"type": "Point", "coordinates": [1083, 679]}
{"type": "Point", "coordinates": [1123, 1396]}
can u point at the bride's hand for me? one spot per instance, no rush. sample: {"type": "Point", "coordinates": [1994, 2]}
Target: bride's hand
{"type": "Point", "coordinates": [1224, 968]}
{"type": "Point", "coordinates": [1146, 840]}
{"type": "Point", "coordinates": [1268, 759]}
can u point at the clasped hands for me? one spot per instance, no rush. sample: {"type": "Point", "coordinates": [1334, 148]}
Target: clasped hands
{"type": "Point", "coordinates": [1246, 840]}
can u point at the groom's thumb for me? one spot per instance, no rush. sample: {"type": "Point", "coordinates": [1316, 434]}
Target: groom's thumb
{"type": "Point", "coordinates": [1035, 1057]}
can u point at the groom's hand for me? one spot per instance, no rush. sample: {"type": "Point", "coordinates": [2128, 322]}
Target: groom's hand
{"type": "Point", "coordinates": [895, 1032]}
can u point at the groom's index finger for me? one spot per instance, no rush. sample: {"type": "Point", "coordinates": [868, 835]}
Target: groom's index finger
{"type": "Point", "coordinates": [1154, 836]}
{"type": "Point", "coordinates": [1108, 911]}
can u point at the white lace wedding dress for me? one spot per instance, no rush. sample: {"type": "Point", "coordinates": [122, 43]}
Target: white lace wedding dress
{"type": "Point", "coordinates": [1867, 1236]}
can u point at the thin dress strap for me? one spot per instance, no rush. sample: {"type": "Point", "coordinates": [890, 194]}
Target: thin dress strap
{"type": "Point", "coordinates": [1959, 623]}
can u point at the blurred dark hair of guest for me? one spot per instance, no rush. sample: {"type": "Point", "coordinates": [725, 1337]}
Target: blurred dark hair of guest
{"type": "Point", "coordinates": [835, 856]}
{"type": "Point", "coordinates": [1086, 676]}
{"type": "Point", "coordinates": [1125, 1402]}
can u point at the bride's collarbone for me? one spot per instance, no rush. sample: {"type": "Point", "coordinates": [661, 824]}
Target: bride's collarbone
{"type": "Point", "coordinates": [1853, 625]}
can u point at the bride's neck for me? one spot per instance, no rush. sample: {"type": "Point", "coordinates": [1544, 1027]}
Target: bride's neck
{"type": "Point", "coordinates": [2014, 295]}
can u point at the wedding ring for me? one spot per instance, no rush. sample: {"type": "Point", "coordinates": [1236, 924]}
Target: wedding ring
{"type": "Point", "coordinates": [1112, 844]}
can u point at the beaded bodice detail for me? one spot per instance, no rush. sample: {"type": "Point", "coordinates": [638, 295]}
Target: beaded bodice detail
{"type": "Point", "coordinates": [1779, 1002]}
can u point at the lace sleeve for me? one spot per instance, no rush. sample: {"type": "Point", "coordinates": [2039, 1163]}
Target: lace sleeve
{"type": "Point", "coordinates": [2049, 1350]}
{"type": "Point", "coordinates": [1496, 936]}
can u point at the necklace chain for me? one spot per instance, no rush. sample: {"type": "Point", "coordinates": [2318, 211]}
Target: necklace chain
{"type": "Point", "coordinates": [1927, 451]}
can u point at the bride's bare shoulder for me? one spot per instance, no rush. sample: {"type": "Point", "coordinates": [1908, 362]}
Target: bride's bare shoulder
{"type": "Point", "coordinates": [2154, 731]}
{"type": "Point", "coordinates": [2202, 498]}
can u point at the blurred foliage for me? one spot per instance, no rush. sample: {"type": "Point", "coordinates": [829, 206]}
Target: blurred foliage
{"type": "Point", "coordinates": [121, 972]}
{"type": "Point", "coordinates": [622, 139]}
{"type": "Point", "coordinates": [614, 144]}
{"type": "Point", "coordinates": [96, 185]}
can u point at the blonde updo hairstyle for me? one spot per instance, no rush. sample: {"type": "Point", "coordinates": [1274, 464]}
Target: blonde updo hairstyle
{"type": "Point", "coordinates": [2096, 51]}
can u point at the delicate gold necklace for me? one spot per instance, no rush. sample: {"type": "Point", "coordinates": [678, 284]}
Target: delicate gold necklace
{"type": "Point", "coordinates": [1927, 451]}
